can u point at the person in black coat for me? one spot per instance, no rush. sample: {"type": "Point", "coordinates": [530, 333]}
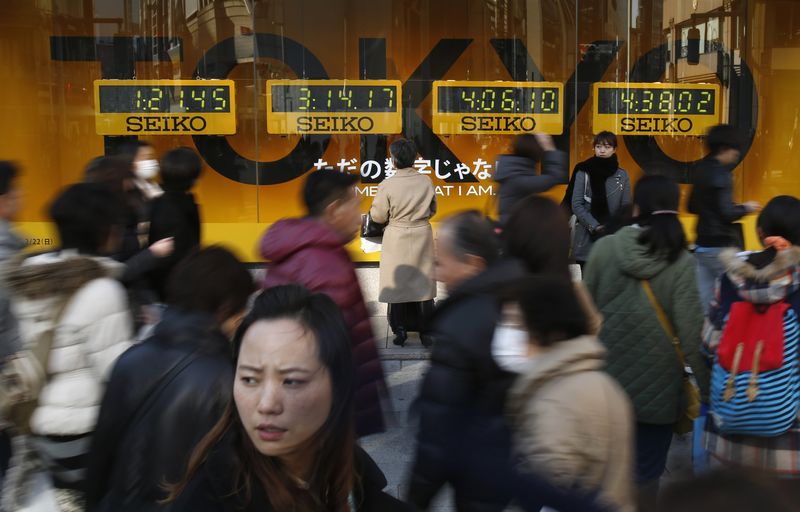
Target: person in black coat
{"type": "Point", "coordinates": [165, 393]}
{"type": "Point", "coordinates": [516, 173]}
{"type": "Point", "coordinates": [175, 214]}
{"type": "Point", "coordinates": [289, 442]}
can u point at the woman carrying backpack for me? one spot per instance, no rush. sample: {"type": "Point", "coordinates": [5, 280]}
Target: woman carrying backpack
{"type": "Point", "coordinates": [641, 355]}
{"type": "Point", "coordinates": [758, 293]}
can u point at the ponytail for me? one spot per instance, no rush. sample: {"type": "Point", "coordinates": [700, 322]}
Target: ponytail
{"type": "Point", "coordinates": [657, 199]}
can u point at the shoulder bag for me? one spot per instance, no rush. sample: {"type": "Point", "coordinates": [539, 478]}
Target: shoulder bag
{"type": "Point", "coordinates": [691, 411]}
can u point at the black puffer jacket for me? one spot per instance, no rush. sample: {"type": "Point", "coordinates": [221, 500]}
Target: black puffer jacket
{"type": "Point", "coordinates": [712, 201]}
{"type": "Point", "coordinates": [140, 443]}
{"type": "Point", "coordinates": [174, 214]}
{"type": "Point", "coordinates": [461, 402]}
{"type": "Point", "coordinates": [518, 178]}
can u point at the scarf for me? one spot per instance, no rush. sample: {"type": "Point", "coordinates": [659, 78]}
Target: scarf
{"type": "Point", "coordinates": [599, 170]}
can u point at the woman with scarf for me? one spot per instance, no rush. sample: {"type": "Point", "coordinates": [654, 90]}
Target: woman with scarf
{"type": "Point", "coordinates": [599, 193]}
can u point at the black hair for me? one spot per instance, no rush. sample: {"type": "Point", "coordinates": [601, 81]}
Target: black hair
{"type": "Point", "coordinates": [180, 168]}
{"type": "Point", "coordinates": [325, 186]}
{"type": "Point", "coordinates": [210, 280]}
{"type": "Point", "coordinates": [664, 234]}
{"type": "Point", "coordinates": [527, 146]}
{"type": "Point", "coordinates": [728, 489]}
{"type": "Point", "coordinates": [8, 173]}
{"type": "Point", "coordinates": [551, 309]}
{"type": "Point", "coordinates": [109, 170]}
{"type": "Point", "coordinates": [605, 137]}
{"type": "Point", "coordinates": [85, 215]}
{"type": "Point", "coordinates": [537, 232]}
{"type": "Point", "coordinates": [722, 137]}
{"type": "Point", "coordinates": [472, 235]}
{"type": "Point", "coordinates": [781, 217]}
{"type": "Point", "coordinates": [131, 148]}
{"type": "Point", "coordinates": [404, 153]}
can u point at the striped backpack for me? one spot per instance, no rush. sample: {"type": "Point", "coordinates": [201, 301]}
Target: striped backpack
{"type": "Point", "coordinates": [755, 379]}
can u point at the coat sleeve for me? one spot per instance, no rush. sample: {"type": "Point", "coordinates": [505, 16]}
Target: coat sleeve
{"type": "Point", "coordinates": [380, 206]}
{"type": "Point", "coordinates": [687, 317]}
{"type": "Point", "coordinates": [728, 210]}
{"type": "Point", "coordinates": [138, 266]}
{"type": "Point", "coordinates": [580, 207]}
{"type": "Point", "coordinates": [626, 190]}
{"type": "Point", "coordinates": [554, 172]}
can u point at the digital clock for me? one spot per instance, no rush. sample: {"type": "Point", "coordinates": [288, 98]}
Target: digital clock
{"type": "Point", "coordinates": [497, 107]}
{"type": "Point", "coordinates": [334, 106]}
{"type": "Point", "coordinates": [655, 109]}
{"type": "Point", "coordinates": [165, 107]}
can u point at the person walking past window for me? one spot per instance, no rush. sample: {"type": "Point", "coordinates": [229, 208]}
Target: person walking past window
{"type": "Point", "coordinates": [311, 251]}
{"type": "Point", "coordinates": [712, 201]}
{"type": "Point", "coordinates": [641, 355]}
{"type": "Point", "coordinates": [405, 203]}
{"type": "Point", "coordinates": [600, 190]}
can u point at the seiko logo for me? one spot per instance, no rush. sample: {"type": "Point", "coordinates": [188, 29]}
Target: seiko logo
{"type": "Point", "coordinates": [497, 123]}
{"type": "Point", "coordinates": [656, 124]}
{"type": "Point", "coordinates": [336, 124]}
{"type": "Point", "coordinates": [137, 124]}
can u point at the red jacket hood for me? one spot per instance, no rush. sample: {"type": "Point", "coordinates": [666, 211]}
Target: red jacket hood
{"type": "Point", "coordinates": [289, 236]}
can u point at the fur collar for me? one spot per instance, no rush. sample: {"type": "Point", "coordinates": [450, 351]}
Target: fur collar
{"type": "Point", "coordinates": [38, 277]}
{"type": "Point", "coordinates": [738, 266]}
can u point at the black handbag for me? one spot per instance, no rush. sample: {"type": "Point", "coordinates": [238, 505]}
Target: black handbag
{"type": "Point", "coordinates": [370, 228]}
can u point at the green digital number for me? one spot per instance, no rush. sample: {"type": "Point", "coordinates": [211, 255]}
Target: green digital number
{"type": "Point", "coordinates": [647, 101]}
{"type": "Point", "coordinates": [487, 99]}
{"type": "Point", "coordinates": [139, 99]}
{"type": "Point", "coordinates": [346, 97]}
{"type": "Point", "coordinates": [470, 100]}
{"type": "Point", "coordinates": [684, 101]}
{"type": "Point", "coordinates": [506, 102]}
{"type": "Point", "coordinates": [222, 103]}
{"type": "Point", "coordinates": [199, 98]}
{"type": "Point", "coordinates": [390, 90]}
{"type": "Point", "coordinates": [532, 106]}
{"type": "Point", "coordinates": [330, 98]}
{"type": "Point", "coordinates": [548, 100]}
{"type": "Point", "coordinates": [625, 99]}
{"type": "Point", "coordinates": [154, 103]}
{"type": "Point", "coordinates": [702, 105]}
{"type": "Point", "coordinates": [665, 102]}
{"type": "Point", "coordinates": [371, 93]}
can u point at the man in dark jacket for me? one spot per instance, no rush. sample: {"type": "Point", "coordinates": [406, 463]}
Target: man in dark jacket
{"type": "Point", "coordinates": [516, 173]}
{"type": "Point", "coordinates": [462, 432]}
{"type": "Point", "coordinates": [311, 251]}
{"type": "Point", "coordinates": [712, 202]}
{"type": "Point", "coordinates": [165, 394]}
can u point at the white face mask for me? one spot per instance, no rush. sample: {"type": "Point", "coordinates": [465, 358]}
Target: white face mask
{"type": "Point", "coordinates": [147, 169]}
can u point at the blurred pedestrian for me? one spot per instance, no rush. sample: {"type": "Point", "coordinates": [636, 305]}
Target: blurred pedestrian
{"type": "Point", "coordinates": [650, 255]}
{"type": "Point", "coordinates": [572, 422]}
{"type": "Point", "coordinates": [600, 189]}
{"type": "Point", "coordinates": [763, 279]}
{"type": "Point", "coordinates": [166, 394]}
{"type": "Point", "coordinates": [175, 214]}
{"type": "Point", "coordinates": [72, 292]}
{"type": "Point", "coordinates": [289, 444]}
{"type": "Point", "coordinates": [537, 234]}
{"type": "Point", "coordinates": [516, 173]}
{"type": "Point", "coordinates": [405, 203]}
{"type": "Point", "coordinates": [463, 394]}
{"type": "Point", "coordinates": [145, 166]}
{"type": "Point", "coordinates": [712, 201]}
{"type": "Point", "coordinates": [311, 251]}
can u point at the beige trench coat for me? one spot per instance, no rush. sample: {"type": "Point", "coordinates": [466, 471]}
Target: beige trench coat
{"type": "Point", "coordinates": [406, 201]}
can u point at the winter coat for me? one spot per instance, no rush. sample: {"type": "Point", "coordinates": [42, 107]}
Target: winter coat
{"type": "Point", "coordinates": [640, 353]}
{"type": "Point", "coordinates": [518, 179]}
{"type": "Point", "coordinates": [173, 214]}
{"type": "Point", "coordinates": [406, 201]}
{"type": "Point", "coordinates": [572, 422]}
{"type": "Point", "coordinates": [618, 195]}
{"type": "Point", "coordinates": [94, 329]}
{"type": "Point", "coordinates": [212, 489]}
{"type": "Point", "coordinates": [308, 252]}
{"type": "Point", "coordinates": [753, 278]}
{"type": "Point", "coordinates": [10, 246]}
{"type": "Point", "coordinates": [712, 201]}
{"type": "Point", "coordinates": [151, 420]}
{"type": "Point", "coordinates": [463, 395]}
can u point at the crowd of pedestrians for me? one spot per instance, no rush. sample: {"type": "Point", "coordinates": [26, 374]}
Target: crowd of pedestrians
{"type": "Point", "coordinates": [143, 372]}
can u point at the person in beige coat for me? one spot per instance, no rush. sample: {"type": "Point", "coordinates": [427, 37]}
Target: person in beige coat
{"type": "Point", "coordinates": [572, 423]}
{"type": "Point", "coordinates": [406, 201]}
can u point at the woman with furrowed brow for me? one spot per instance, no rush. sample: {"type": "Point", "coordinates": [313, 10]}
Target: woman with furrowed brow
{"type": "Point", "coordinates": [288, 442]}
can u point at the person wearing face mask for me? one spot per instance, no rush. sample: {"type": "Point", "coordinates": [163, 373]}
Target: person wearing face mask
{"type": "Point", "coordinates": [311, 251]}
{"type": "Point", "coordinates": [288, 442]}
{"type": "Point", "coordinates": [145, 166]}
{"type": "Point", "coordinates": [165, 394]}
{"type": "Point", "coordinates": [405, 203]}
{"type": "Point", "coordinates": [599, 191]}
